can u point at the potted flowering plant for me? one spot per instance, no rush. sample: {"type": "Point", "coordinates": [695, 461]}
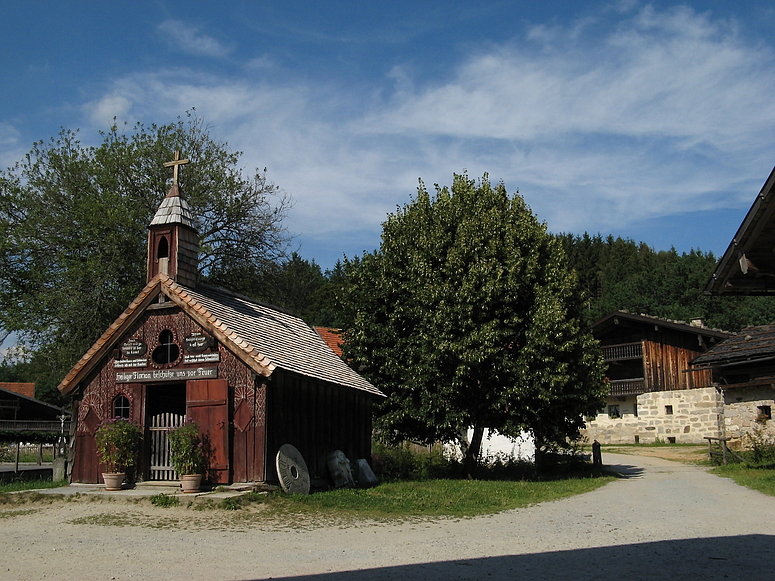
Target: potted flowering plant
{"type": "Point", "coordinates": [118, 444]}
{"type": "Point", "coordinates": [187, 455]}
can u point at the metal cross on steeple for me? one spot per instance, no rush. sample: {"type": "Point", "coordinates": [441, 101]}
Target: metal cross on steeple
{"type": "Point", "coordinates": [175, 165]}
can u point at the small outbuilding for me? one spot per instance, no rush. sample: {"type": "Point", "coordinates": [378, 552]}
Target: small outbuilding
{"type": "Point", "coordinates": [252, 376]}
{"type": "Point", "coordinates": [18, 404]}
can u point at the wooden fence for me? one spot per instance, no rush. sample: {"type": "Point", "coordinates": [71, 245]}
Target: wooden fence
{"type": "Point", "coordinates": [717, 448]}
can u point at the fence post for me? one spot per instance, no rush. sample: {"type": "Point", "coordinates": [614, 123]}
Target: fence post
{"type": "Point", "coordinates": [597, 457]}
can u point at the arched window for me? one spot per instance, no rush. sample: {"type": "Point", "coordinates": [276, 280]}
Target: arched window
{"type": "Point", "coordinates": [167, 351]}
{"type": "Point", "coordinates": [163, 250]}
{"type": "Point", "coordinates": [121, 407]}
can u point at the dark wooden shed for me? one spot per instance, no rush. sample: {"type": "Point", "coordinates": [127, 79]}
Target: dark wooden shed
{"type": "Point", "coordinates": [252, 376]}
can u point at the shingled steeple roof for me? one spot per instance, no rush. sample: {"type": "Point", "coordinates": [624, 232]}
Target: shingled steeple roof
{"type": "Point", "coordinates": [174, 210]}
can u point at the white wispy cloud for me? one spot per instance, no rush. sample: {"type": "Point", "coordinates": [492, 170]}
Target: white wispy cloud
{"type": "Point", "coordinates": [189, 38]}
{"type": "Point", "coordinates": [104, 110]}
{"type": "Point", "coordinates": [663, 113]}
{"type": "Point", "coordinates": [10, 150]}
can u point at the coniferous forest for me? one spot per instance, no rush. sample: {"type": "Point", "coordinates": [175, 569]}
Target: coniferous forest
{"type": "Point", "coordinates": [619, 274]}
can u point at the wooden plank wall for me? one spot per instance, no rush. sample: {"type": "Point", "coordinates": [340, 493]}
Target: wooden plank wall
{"type": "Point", "coordinates": [250, 438]}
{"type": "Point", "coordinates": [666, 356]}
{"type": "Point", "coordinates": [86, 467]}
{"type": "Point", "coordinates": [317, 418]}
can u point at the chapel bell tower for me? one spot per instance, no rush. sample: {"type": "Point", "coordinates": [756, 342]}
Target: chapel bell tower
{"type": "Point", "coordinates": [173, 242]}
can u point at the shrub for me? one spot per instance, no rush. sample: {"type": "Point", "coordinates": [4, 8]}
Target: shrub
{"type": "Point", "coordinates": [403, 463]}
{"type": "Point", "coordinates": [761, 447]}
{"type": "Point", "coordinates": [186, 449]}
{"type": "Point", "coordinates": [118, 444]}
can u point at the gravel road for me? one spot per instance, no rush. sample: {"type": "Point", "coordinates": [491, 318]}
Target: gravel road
{"type": "Point", "coordinates": [663, 520]}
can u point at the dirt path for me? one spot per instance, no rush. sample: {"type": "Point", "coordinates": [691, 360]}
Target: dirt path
{"type": "Point", "coordinates": [664, 520]}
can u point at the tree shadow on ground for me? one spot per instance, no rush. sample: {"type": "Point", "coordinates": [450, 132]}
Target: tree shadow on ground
{"type": "Point", "coordinates": [748, 557]}
{"type": "Point", "coordinates": [624, 470]}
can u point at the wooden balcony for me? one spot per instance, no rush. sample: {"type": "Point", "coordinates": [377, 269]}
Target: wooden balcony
{"type": "Point", "coordinates": [627, 386]}
{"type": "Point", "coordinates": [623, 351]}
{"type": "Point", "coordinates": [34, 426]}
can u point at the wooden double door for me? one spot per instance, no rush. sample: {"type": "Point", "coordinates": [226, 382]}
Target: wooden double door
{"type": "Point", "coordinates": [169, 406]}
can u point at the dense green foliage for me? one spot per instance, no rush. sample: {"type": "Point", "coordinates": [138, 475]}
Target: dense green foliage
{"type": "Point", "coordinates": [618, 274]}
{"type": "Point", "coordinates": [32, 437]}
{"type": "Point", "coordinates": [118, 444]}
{"type": "Point", "coordinates": [468, 315]}
{"type": "Point", "coordinates": [186, 450]}
{"type": "Point", "coordinates": [73, 227]}
{"type": "Point", "coordinates": [301, 287]}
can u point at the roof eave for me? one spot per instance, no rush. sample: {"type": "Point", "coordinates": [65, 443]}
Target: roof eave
{"type": "Point", "coordinates": [763, 206]}
{"type": "Point", "coordinates": [105, 343]}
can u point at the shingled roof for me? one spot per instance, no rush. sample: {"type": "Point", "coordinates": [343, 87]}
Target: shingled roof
{"type": "Point", "coordinates": [174, 210]}
{"type": "Point", "coordinates": [263, 337]}
{"type": "Point", "coordinates": [749, 345]}
{"type": "Point", "coordinates": [623, 318]}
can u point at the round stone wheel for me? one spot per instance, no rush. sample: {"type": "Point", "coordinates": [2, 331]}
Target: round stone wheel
{"type": "Point", "coordinates": [292, 470]}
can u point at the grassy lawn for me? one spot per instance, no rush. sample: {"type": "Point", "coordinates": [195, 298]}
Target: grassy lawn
{"type": "Point", "coordinates": [29, 485]}
{"type": "Point", "coordinates": [454, 498]}
{"type": "Point", "coordinates": [761, 479]}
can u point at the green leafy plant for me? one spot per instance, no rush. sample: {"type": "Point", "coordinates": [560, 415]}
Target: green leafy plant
{"type": "Point", "coordinates": [230, 504]}
{"type": "Point", "coordinates": [118, 444]}
{"type": "Point", "coordinates": [164, 500]}
{"type": "Point", "coordinates": [186, 449]}
{"type": "Point", "coordinates": [760, 447]}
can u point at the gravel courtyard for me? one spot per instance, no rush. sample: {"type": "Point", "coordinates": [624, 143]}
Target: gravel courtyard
{"type": "Point", "coordinates": [663, 520]}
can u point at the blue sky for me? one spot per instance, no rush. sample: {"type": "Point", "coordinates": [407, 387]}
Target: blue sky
{"type": "Point", "coordinates": [654, 121]}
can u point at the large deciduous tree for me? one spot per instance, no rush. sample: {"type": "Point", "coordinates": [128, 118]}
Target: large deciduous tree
{"type": "Point", "coordinates": [73, 223]}
{"type": "Point", "coordinates": [469, 316]}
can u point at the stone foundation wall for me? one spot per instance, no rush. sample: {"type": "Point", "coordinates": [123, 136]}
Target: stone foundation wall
{"type": "Point", "coordinates": [742, 407]}
{"type": "Point", "coordinates": [687, 416]}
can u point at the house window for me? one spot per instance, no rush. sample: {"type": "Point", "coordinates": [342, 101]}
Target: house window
{"type": "Point", "coordinates": [167, 351]}
{"type": "Point", "coordinates": [121, 407]}
{"type": "Point", "coordinates": [613, 412]}
{"type": "Point", "coordinates": [635, 409]}
{"type": "Point", "coordinates": [669, 410]}
{"type": "Point", "coordinates": [764, 413]}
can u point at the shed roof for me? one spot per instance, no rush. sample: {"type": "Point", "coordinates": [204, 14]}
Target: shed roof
{"type": "Point", "coordinates": [263, 337]}
{"type": "Point", "coordinates": [610, 321]}
{"type": "Point", "coordinates": [750, 344]}
{"type": "Point", "coordinates": [332, 338]}
{"type": "Point", "coordinates": [31, 408]}
{"type": "Point", "coordinates": [748, 265]}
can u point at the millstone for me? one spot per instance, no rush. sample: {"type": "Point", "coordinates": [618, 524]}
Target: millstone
{"type": "Point", "coordinates": [292, 470]}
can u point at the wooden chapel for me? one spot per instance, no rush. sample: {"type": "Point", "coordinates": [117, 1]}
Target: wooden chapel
{"type": "Point", "coordinates": [253, 377]}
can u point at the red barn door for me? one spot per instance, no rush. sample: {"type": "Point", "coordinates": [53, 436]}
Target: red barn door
{"type": "Point", "coordinates": [207, 403]}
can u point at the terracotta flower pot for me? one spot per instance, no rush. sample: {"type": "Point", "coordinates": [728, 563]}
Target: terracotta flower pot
{"type": "Point", "coordinates": [191, 482]}
{"type": "Point", "coordinates": [113, 480]}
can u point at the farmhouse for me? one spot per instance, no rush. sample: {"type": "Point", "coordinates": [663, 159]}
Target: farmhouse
{"type": "Point", "coordinates": [252, 376]}
{"type": "Point", "coordinates": [653, 394]}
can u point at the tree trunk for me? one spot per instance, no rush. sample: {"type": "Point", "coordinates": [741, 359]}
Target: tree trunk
{"type": "Point", "coordinates": [471, 458]}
